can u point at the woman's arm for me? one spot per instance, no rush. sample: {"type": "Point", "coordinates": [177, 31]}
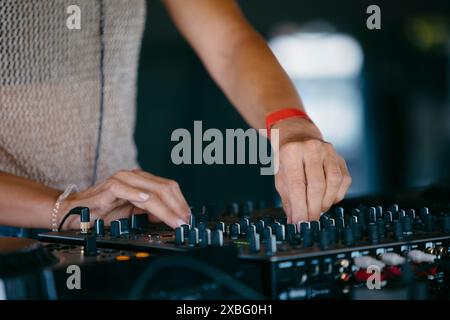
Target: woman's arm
{"type": "Point", "coordinates": [25, 203]}
{"type": "Point", "coordinates": [311, 176]}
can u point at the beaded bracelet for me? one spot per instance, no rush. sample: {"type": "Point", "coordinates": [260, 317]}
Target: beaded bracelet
{"type": "Point", "coordinates": [70, 188]}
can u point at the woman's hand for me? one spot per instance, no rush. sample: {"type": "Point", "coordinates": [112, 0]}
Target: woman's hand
{"type": "Point", "coordinates": [120, 195]}
{"type": "Point", "coordinates": [311, 176]}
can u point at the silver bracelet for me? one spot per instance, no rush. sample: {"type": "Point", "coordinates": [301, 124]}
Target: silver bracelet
{"type": "Point", "coordinates": [69, 189]}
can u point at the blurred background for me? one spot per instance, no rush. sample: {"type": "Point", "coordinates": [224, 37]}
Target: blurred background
{"type": "Point", "coordinates": [380, 96]}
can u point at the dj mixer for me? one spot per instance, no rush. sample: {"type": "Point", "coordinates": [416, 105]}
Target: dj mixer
{"type": "Point", "coordinates": [362, 248]}
{"type": "Point", "coordinates": [337, 257]}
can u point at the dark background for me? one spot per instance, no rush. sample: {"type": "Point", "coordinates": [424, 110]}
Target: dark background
{"type": "Point", "coordinates": [405, 86]}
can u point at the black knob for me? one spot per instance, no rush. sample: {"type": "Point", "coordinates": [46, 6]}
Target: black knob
{"type": "Point", "coordinates": [379, 212]}
{"type": "Point", "coordinates": [220, 226]}
{"type": "Point", "coordinates": [332, 233]}
{"type": "Point", "coordinates": [192, 221]}
{"type": "Point", "coordinates": [244, 223]}
{"type": "Point", "coordinates": [357, 230]}
{"type": "Point", "coordinates": [340, 223]}
{"type": "Point", "coordinates": [372, 214]}
{"type": "Point", "coordinates": [139, 221]}
{"type": "Point", "coordinates": [217, 238]}
{"type": "Point", "coordinates": [114, 231]}
{"type": "Point", "coordinates": [186, 229]}
{"type": "Point", "coordinates": [307, 238]}
{"type": "Point", "coordinates": [124, 226]}
{"type": "Point", "coordinates": [339, 211]}
{"type": "Point", "coordinates": [315, 228]}
{"type": "Point", "coordinates": [99, 226]}
{"type": "Point", "coordinates": [446, 223]}
{"type": "Point", "coordinates": [397, 229]}
{"type": "Point", "coordinates": [259, 226]}
{"type": "Point", "coordinates": [271, 245]}
{"type": "Point", "coordinates": [267, 233]}
{"type": "Point", "coordinates": [381, 228]}
{"type": "Point", "coordinates": [388, 217]}
{"type": "Point", "coordinates": [407, 225]}
{"type": "Point", "coordinates": [303, 227]}
{"type": "Point", "coordinates": [235, 230]}
{"type": "Point", "coordinates": [291, 231]}
{"type": "Point", "coordinates": [280, 232]}
{"type": "Point", "coordinates": [393, 208]}
{"type": "Point", "coordinates": [251, 230]}
{"type": "Point", "coordinates": [193, 237]}
{"type": "Point", "coordinates": [374, 237]}
{"type": "Point", "coordinates": [423, 212]}
{"type": "Point", "coordinates": [324, 241]}
{"type": "Point", "coordinates": [255, 243]}
{"type": "Point", "coordinates": [179, 236]}
{"type": "Point", "coordinates": [411, 213]}
{"type": "Point", "coordinates": [205, 237]}
{"type": "Point", "coordinates": [349, 240]}
{"type": "Point", "coordinates": [232, 209]}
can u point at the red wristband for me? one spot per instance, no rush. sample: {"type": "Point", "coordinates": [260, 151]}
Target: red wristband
{"type": "Point", "coordinates": [283, 114]}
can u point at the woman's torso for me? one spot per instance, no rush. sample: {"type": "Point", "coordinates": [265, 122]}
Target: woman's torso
{"type": "Point", "coordinates": [52, 79]}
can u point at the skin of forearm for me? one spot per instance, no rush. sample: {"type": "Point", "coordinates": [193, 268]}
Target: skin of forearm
{"type": "Point", "coordinates": [25, 203]}
{"type": "Point", "coordinates": [253, 80]}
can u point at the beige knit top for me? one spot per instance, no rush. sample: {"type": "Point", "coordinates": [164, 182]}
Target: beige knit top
{"type": "Point", "coordinates": [67, 96]}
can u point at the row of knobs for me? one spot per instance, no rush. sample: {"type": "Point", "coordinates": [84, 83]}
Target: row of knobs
{"type": "Point", "coordinates": [120, 227]}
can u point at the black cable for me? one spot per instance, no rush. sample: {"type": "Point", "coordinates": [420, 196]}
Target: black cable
{"type": "Point", "coordinates": [61, 224]}
{"type": "Point", "coordinates": [215, 274]}
{"type": "Point", "coordinates": [102, 91]}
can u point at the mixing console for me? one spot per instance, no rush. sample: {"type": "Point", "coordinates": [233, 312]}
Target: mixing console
{"type": "Point", "coordinates": [330, 258]}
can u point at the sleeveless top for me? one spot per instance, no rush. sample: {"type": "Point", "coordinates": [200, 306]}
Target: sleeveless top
{"type": "Point", "coordinates": [68, 96]}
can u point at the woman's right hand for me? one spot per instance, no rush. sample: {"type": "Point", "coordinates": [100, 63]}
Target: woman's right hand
{"type": "Point", "coordinates": [118, 196]}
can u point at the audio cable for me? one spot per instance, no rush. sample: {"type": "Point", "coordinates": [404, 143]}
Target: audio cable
{"type": "Point", "coordinates": [84, 214]}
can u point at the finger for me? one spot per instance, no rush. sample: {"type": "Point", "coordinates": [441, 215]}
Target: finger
{"type": "Point", "coordinates": [117, 189]}
{"type": "Point", "coordinates": [296, 183]}
{"type": "Point", "coordinates": [161, 180]}
{"type": "Point", "coordinates": [346, 180]}
{"type": "Point", "coordinates": [167, 190]}
{"type": "Point", "coordinates": [281, 189]}
{"type": "Point", "coordinates": [333, 177]}
{"type": "Point", "coordinates": [315, 184]}
{"type": "Point", "coordinates": [159, 208]}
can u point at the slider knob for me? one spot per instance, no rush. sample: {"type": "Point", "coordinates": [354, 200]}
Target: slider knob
{"type": "Point", "coordinates": [114, 231]}
{"type": "Point", "coordinates": [267, 233]}
{"type": "Point", "coordinates": [179, 236]}
{"type": "Point", "coordinates": [374, 237]}
{"type": "Point", "coordinates": [280, 232]}
{"type": "Point", "coordinates": [307, 238]}
{"type": "Point", "coordinates": [349, 240]}
{"type": "Point", "coordinates": [193, 237]}
{"type": "Point", "coordinates": [255, 243]}
{"type": "Point", "coordinates": [205, 237]}
{"type": "Point", "coordinates": [99, 226]}
{"type": "Point", "coordinates": [271, 245]}
{"type": "Point", "coordinates": [324, 241]}
{"type": "Point", "coordinates": [235, 230]}
{"type": "Point", "coordinates": [397, 229]}
{"type": "Point", "coordinates": [220, 226]}
{"type": "Point", "coordinates": [217, 238]}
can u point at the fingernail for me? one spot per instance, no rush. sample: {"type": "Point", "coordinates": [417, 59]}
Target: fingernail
{"type": "Point", "coordinates": [180, 222]}
{"type": "Point", "coordinates": [144, 196]}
